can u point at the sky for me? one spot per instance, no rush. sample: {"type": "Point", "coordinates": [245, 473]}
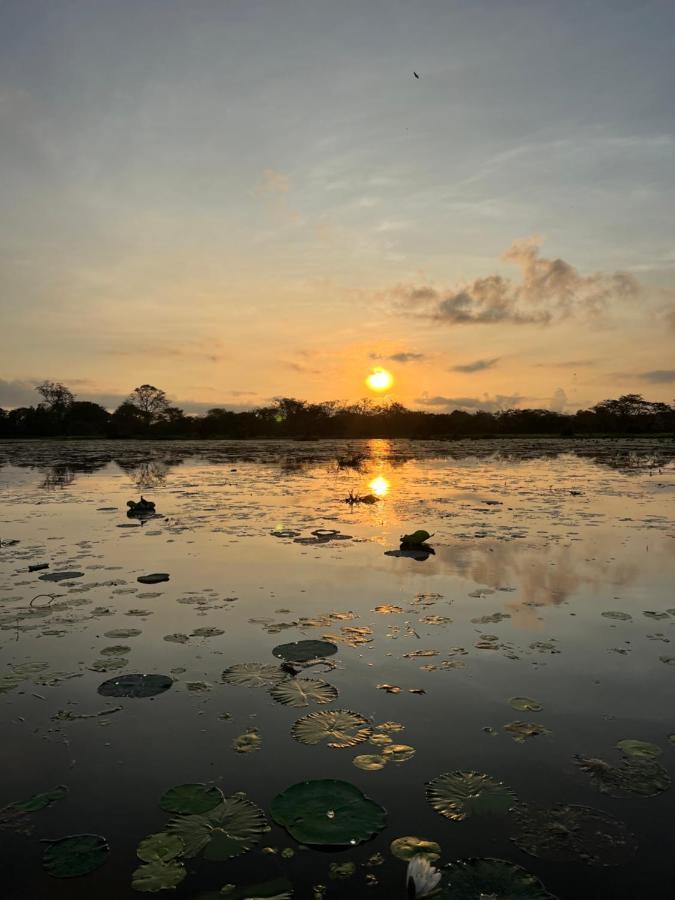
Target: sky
{"type": "Point", "coordinates": [238, 200]}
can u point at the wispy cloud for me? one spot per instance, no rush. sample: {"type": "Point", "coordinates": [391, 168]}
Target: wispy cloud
{"type": "Point", "coordinates": [548, 290]}
{"type": "Point", "coordinates": [658, 376]}
{"type": "Point", "coordinates": [478, 365]}
{"type": "Point", "coordinates": [404, 356]}
{"type": "Point", "coordinates": [566, 364]}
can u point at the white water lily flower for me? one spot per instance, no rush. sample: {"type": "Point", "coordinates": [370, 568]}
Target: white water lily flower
{"type": "Point", "coordinates": [421, 878]}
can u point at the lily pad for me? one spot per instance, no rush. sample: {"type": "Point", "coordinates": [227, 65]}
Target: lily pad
{"type": "Point", "coordinates": [406, 847]}
{"type": "Point", "coordinates": [254, 675]}
{"type": "Point", "coordinates": [161, 847]}
{"type": "Point", "coordinates": [457, 795]}
{"type": "Point", "coordinates": [135, 686]}
{"type": "Point", "coordinates": [229, 830]}
{"type": "Point", "coordinates": [335, 727]}
{"type": "Point", "coordinates": [298, 692]}
{"type": "Point", "coordinates": [248, 742]}
{"type": "Point", "coordinates": [567, 833]}
{"type": "Point", "coordinates": [109, 664]}
{"type": "Point", "coordinates": [370, 762]}
{"type": "Point", "coordinates": [191, 798]}
{"type": "Point", "coordinates": [158, 876]}
{"type": "Point", "coordinates": [639, 749]}
{"type": "Point", "coordinates": [635, 775]}
{"type": "Point", "coordinates": [519, 731]}
{"type": "Point", "coordinates": [304, 651]}
{"type": "Point", "coordinates": [398, 753]}
{"type": "Point", "coordinates": [328, 812]}
{"type": "Point", "coordinates": [525, 704]}
{"type": "Point", "coordinates": [617, 614]}
{"type": "Point", "coordinates": [34, 803]}
{"type": "Point", "coordinates": [153, 578]}
{"type": "Point", "coordinates": [60, 576]}
{"type": "Point", "coordinates": [470, 879]}
{"type": "Point", "coordinates": [77, 854]}
{"type": "Point", "coordinates": [123, 633]}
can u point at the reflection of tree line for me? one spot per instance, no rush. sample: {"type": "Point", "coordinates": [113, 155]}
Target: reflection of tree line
{"type": "Point", "coordinates": [148, 468]}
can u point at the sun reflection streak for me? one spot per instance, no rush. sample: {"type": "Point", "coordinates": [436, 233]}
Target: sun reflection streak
{"type": "Point", "coordinates": [379, 486]}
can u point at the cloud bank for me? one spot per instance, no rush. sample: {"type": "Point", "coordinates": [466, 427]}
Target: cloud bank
{"type": "Point", "coordinates": [484, 403]}
{"type": "Point", "coordinates": [548, 290]}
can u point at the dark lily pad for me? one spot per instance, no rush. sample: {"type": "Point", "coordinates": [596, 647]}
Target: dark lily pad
{"type": "Point", "coordinates": [566, 833]}
{"type": "Point", "coordinates": [60, 576]}
{"type": "Point", "coordinates": [135, 686]}
{"type": "Point", "coordinates": [470, 879]}
{"type": "Point", "coordinates": [230, 829]}
{"type": "Point", "coordinates": [254, 675]}
{"type": "Point", "coordinates": [457, 795]}
{"type": "Point", "coordinates": [153, 578]}
{"type": "Point", "coordinates": [299, 692]}
{"type": "Point", "coordinates": [304, 651]}
{"type": "Point", "coordinates": [35, 803]}
{"type": "Point", "coordinates": [327, 812]}
{"type": "Point", "coordinates": [158, 876]}
{"type": "Point", "coordinates": [77, 854]}
{"type": "Point", "coordinates": [191, 798]}
{"type": "Point", "coordinates": [335, 727]}
{"type": "Point", "coordinates": [161, 847]}
{"type": "Point", "coordinates": [635, 775]}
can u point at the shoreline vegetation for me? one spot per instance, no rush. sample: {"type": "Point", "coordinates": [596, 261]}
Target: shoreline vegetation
{"type": "Point", "coordinates": [148, 414]}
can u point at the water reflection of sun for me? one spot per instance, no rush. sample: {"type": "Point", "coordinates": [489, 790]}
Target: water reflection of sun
{"type": "Point", "coordinates": [379, 486]}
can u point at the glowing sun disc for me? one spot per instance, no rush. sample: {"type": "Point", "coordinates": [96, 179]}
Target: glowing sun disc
{"type": "Point", "coordinates": [380, 380]}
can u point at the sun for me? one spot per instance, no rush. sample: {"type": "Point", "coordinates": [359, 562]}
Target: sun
{"type": "Point", "coordinates": [380, 380]}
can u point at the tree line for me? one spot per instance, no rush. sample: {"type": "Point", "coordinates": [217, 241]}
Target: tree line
{"type": "Point", "coordinates": [147, 413]}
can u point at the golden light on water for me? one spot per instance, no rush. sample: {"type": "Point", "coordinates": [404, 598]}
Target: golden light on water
{"type": "Point", "coordinates": [380, 380]}
{"type": "Point", "coordinates": [379, 486]}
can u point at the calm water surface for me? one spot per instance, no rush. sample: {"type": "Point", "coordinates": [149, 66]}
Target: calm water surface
{"type": "Point", "coordinates": [548, 535]}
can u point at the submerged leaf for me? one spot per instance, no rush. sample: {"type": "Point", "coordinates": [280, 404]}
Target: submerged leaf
{"type": "Point", "coordinates": [645, 777]}
{"type": "Point", "coordinates": [229, 830]}
{"type": "Point", "coordinates": [457, 795]}
{"type": "Point", "coordinates": [327, 813]}
{"type": "Point", "coordinates": [573, 833]}
{"type": "Point", "coordinates": [335, 727]}
{"type": "Point", "coordinates": [77, 854]}
{"type": "Point", "coordinates": [190, 798]}
{"type": "Point", "coordinates": [253, 674]}
{"type": "Point", "coordinates": [299, 692]}
{"type": "Point", "coordinates": [158, 876]}
{"type": "Point", "coordinates": [470, 879]}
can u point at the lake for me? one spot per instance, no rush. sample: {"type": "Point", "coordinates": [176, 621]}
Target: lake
{"type": "Point", "coordinates": [527, 654]}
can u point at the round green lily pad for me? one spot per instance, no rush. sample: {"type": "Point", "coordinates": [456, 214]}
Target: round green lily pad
{"type": "Point", "coordinates": [457, 795]}
{"type": "Point", "coordinates": [469, 879]}
{"type": "Point", "coordinates": [328, 812]}
{"type": "Point", "coordinates": [304, 651]}
{"type": "Point", "coordinates": [135, 686]}
{"type": "Point", "coordinates": [77, 854]}
{"type": "Point", "coordinates": [406, 847]}
{"type": "Point", "coordinates": [639, 749]}
{"type": "Point", "coordinates": [190, 798]}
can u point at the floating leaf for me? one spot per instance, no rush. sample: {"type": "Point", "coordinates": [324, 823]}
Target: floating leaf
{"type": "Point", "coordinates": [36, 802]}
{"type": "Point", "coordinates": [571, 833]}
{"type": "Point", "coordinates": [153, 578]}
{"type": "Point", "coordinates": [398, 753]}
{"type": "Point", "coordinates": [370, 762]}
{"type": "Point", "coordinates": [406, 847]}
{"type": "Point", "coordinates": [123, 633]}
{"type": "Point", "coordinates": [229, 830]}
{"type": "Point", "coordinates": [327, 813]}
{"type": "Point", "coordinates": [160, 847]}
{"type": "Point", "coordinates": [304, 651]}
{"type": "Point", "coordinates": [207, 632]}
{"type": "Point", "coordinates": [158, 876]}
{"type": "Point", "coordinates": [470, 879]}
{"type": "Point", "coordinates": [109, 664]}
{"type": "Point", "coordinates": [60, 576]}
{"type": "Point", "coordinates": [135, 686]}
{"type": "Point", "coordinates": [645, 777]}
{"type": "Point", "coordinates": [457, 795]}
{"type": "Point", "coordinates": [177, 638]}
{"type": "Point", "coordinates": [525, 704]}
{"type": "Point", "coordinates": [254, 675]}
{"type": "Point", "coordinates": [298, 692]}
{"type": "Point", "coordinates": [616, 614]}
{"type": "Point", "coordinates": [639, 749]}
{"type": "Point", "coordinates": [116, 650]}
{"type": "Point", "coordinates": [248, 742]}
{"type": "Point", "coordinates": [77, 854]}
{"type": "Point", "coordinates": [521, 730]}
{"type": "Point", "coordinates": [190, 798]}
{"type": "Point", "coordinates": [336, 727]}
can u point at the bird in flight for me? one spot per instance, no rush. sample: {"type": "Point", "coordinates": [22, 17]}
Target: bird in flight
{"type": "Point", "coordinates": [416, 75]}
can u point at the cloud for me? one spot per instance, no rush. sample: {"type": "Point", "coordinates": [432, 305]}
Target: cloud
{"type": "Point", "coordinates": [403, 357]}
{"type": "Point", "coordinates": [558, 400]}
{"type": "Point", "coordinates": [567, 364]}
{"type": "Point", "coordinates": [658, 376]}
{"type": "Point", "coordinates": [484, 403]}
{"type": "Point", "coordinates": [478, 365]}
{"type": "Point", "coordinates": [548, 290]}
{"type": "Point", "coordinates": [303, 368]}
{"type": "Point", "coordinates": [18, 392]}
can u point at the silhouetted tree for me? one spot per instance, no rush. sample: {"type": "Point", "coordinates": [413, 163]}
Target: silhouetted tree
{"type": "Point", "coordinates": [152, 403]}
